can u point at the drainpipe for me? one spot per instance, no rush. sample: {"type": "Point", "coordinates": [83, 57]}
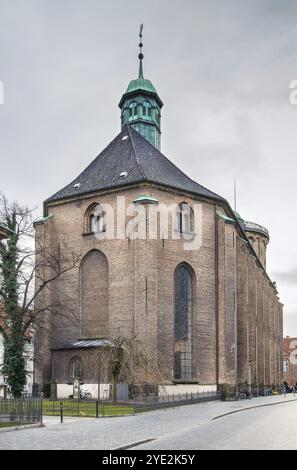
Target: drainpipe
{"type": "Point", "coordinates": [217, 293]}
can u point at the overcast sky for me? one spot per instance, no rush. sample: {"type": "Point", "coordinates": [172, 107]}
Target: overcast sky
{"type": "Point", "coordinates": [222, 69]}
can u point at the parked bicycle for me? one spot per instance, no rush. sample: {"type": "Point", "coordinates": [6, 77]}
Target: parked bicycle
{"type": "Point", "coordinates": [85, 395]}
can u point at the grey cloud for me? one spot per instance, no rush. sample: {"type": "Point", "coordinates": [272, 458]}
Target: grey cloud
{"type": "Point", "coordinates": [222, 69]}
{"type": "Point", "coordinates": [288, 277]}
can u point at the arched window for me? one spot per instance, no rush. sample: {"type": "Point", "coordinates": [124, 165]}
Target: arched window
{"type": "Point", "coordinates": [183, 297]}
{"type": "Point", "coordinates": [95, 219]}
{"type": "Point", "coordinates": [184, 218]}
{"type": "Point", "coordinates": [94, 295]}
{"type": "Point", "coordinates": [157, 114]}
{"type": "Point", "coordinates": [133, 109]}
{"type": "Point", "coordinates": [147, 108]}
{"type": "Point", "coordinates": [76, 369]}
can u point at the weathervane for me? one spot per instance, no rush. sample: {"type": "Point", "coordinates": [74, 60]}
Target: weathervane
{"type": "Point", "coordinates": [140, 56]}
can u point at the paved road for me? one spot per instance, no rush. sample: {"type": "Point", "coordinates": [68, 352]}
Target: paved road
{"type": "Point", "coordinates": [189, 427]}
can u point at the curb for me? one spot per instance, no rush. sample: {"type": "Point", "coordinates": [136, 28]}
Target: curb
{"type": "Point", "coordinates": [22, 426]}
{"type": "Point", "coordinates": [252, 407]}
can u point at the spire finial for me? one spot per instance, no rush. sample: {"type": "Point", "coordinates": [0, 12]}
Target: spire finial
{"type": "Point", "coordinates": [140, 55]}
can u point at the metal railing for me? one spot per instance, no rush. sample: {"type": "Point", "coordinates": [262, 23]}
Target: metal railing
{"type": "Point", "coordinates": [20, 411]}
{"type": "Point", "coordinates": [178, 399]}
{"type": "Point", "coordinates": [99, 408]}
{"type": "Point", "coordinates": [85, 408]}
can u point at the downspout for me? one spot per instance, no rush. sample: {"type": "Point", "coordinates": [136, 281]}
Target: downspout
{"type": "Point", "coordinates": [217, 294]}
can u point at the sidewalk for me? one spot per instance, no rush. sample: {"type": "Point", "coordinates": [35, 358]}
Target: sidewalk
{"type": "Point", "coordinates": [221, 408]}
{"type": "Point", "coordinates": [112, 433]}
{"type": "Point", "coordinates": [235, 406]}
{"type": "Point", "coordinates": [54, 420]}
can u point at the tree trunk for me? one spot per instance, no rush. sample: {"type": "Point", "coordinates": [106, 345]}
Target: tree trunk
{"type": "Point", "coordinates": [114, 387]}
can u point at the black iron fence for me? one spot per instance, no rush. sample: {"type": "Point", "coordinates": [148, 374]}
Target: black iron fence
{"type": "Point", "coordinates": [177, 399]}
{"type": "Point", "coordinates": [85, 408]}
{"type": "Point", "coordinates": [20, 411]}
{"type": "Point", "coordinates": [99, 408]}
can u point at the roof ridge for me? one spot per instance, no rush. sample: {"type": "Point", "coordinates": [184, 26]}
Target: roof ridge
{"type": "Point", "coordinates": [137, 161]}
{"type": "Point", "coordinates": [90, 164]}
{"type": "Point", "coordinates": [135, 153]}
{"type": "Point", "coordinates": [173, 164]}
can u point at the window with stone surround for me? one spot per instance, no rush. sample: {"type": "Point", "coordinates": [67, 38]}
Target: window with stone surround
{"type": "Point", "coordinates": [183, 296]}
{"type": "Point", "coordinates": [94, 219]}
{"type": "Point", "coordinates": [184, 218]}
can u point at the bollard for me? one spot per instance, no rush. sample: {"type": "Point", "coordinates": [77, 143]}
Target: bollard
{"type": "Point", "coordinates": [61, 412]}
{"type": "Point", "coordinates": [97, 409]}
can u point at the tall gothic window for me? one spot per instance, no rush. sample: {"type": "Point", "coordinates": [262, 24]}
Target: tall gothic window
{"type": "Point", "coordinates": [76, 369]}
{"type": "Point", "coordinates": [183, 293]}
{"type": "Point", "coordinates": [94, 295]}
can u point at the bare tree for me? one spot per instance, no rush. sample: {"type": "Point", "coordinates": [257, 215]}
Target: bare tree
{"type": "Point", "coordinates": [28, 275]}
{"type": "Point", "coordinates": [129, 360]}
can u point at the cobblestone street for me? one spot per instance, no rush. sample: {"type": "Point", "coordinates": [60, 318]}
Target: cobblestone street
{"type": "Point", "coordinates": [189, 427]}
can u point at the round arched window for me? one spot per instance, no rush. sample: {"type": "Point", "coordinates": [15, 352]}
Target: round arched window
{"type": "Point", "coordinates": [146, 110]}
{"type": "Point", "coordinates": [95, 219]}
{"type": "Point", "coordinates": [133, 109]}
{"type": "Point", "coordinates": [76, 369]}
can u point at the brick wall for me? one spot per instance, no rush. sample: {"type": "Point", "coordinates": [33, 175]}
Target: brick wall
{"type": "Point", "coordinates": [230, 309]}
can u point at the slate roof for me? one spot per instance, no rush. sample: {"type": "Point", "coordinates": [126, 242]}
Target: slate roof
{"type": "Point", "coordinates": [130, 159]}
{"type": "Point", "coordinates": [86, 343]}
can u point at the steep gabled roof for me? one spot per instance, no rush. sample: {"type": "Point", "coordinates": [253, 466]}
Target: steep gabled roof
{"type": "Point", "coordinates": [130, 159]}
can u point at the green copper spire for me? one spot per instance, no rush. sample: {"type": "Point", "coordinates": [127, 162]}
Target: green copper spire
{"type": "Point", "coordinates": [141, 105]}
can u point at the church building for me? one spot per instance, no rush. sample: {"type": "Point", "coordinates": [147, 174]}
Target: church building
{"type": "Point", "coordinates": [194, 291]}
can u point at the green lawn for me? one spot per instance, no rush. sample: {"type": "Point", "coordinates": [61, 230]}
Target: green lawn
{"type": "Point", "coordinates": [85, 409]}
{"type": "Point", "coordinates": [8, 425]}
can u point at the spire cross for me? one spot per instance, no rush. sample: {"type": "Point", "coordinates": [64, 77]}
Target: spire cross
{"type": "Point", "coordinates": [140, 55]}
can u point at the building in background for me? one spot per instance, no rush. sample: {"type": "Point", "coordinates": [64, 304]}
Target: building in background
{"type": "Point", "coordinates": [290, 360]}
